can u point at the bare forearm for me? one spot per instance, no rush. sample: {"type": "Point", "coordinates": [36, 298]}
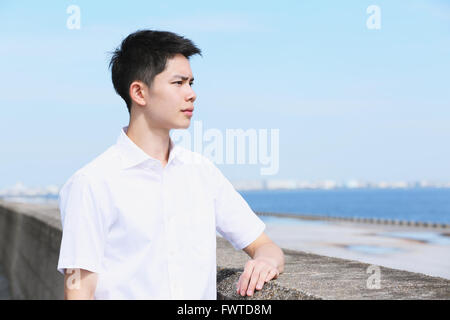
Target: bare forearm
{"type": "Point", "coordinates": [79, 284]}
{"type": "Point", "coordinates": [272, 253]}
{"type": "Point", "coordinates": [78, 295]}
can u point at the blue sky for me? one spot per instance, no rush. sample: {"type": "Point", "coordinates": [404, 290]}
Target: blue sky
{"type": "Point", "coordinates": [350, 103]}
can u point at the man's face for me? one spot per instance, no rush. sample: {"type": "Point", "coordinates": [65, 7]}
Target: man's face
{"type": "Point", "coordinates": [170, 93]}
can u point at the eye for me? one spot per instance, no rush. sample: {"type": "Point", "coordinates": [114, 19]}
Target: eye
{"type": "Point", "coordinates": [179, 82]}
{"type": "Point", "coordinates": [191, 84]}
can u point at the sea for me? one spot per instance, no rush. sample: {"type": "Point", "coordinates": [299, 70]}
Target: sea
{"type": "Point", "coordinates": [430, 205]}
{"type": "Point", "coordinates": [416, 204]}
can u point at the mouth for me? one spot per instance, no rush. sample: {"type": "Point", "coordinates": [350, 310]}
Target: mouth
{"type": "Point", "coordinates": [188, 112]}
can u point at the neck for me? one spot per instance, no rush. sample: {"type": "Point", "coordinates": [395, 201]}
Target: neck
{"type": "Point", "coordinates": [153, 141]}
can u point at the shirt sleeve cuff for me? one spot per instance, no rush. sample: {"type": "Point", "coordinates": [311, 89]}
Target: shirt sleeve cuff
{"type": "Point", "coordinates": [251, 237]}
{"type": "Point", "coordinates": [80, 265]}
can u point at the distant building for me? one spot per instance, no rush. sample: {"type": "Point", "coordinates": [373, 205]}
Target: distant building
{"type": "Point", "coordinates": [281, 184]}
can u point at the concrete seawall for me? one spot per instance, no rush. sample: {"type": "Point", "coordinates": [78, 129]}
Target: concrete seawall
{"type": "Point", "coordinates": [405, 223]}
{"type": "Point", "coordinates": [30, 237]}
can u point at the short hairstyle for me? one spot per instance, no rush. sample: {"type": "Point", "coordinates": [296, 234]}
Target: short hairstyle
{"type": "Point", "coordinates": [142, 55]}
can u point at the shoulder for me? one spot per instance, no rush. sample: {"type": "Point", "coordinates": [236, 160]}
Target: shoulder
{"type": "Point", "coordinates": [102, 165]}
{"type": "Point", "coordinates": [96, 171]}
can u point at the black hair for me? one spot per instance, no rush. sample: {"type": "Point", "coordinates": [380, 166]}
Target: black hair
{"type": "Point", "coordinates": [142, 55]}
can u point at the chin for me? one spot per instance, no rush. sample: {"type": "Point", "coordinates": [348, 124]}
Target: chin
{"type": "Point", "coordinates": [183, 126]}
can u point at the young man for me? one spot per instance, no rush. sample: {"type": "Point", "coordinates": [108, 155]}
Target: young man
{"type": "Point", "coordinates": [140, 220]}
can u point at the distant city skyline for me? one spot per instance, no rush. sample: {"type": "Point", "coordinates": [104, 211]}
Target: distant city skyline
{"type": "Point", "coordinates": [331, 184]}
{"type": "Point", "coordinates": [21, 190]}
{"type": "Point", "coordinates": [351, 94]}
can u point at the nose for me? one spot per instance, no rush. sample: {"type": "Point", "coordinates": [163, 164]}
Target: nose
{"type": "Point", "coordinates": [191, 96]}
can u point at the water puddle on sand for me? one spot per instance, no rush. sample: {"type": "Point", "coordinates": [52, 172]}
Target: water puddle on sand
{"type": "Point", "coordinates": [290, 221]}
{"type": "Point", "coordinates": [368, 249]}
{"type": "Point", "coordinates": [427, 237]}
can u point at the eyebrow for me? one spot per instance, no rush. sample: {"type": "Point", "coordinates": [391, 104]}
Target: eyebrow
{"type": "Point", "coordinates": [184, 78]}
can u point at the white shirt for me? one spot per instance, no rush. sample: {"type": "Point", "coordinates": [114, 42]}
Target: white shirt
{"type": "Point", "coordinates": [148, 231]}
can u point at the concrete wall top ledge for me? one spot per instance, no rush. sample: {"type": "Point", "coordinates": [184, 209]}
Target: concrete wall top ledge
{"type": "Point", "coordinates": [306, 276]}
{"type": "Point", "coordinates": [311, 276]}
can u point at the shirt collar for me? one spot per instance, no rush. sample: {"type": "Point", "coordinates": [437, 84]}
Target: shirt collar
{"type": "Point", "coordinates": [132, 155]}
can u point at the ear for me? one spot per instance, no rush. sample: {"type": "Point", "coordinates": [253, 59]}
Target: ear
{"type": "Point", "coordinates": [138, 92]}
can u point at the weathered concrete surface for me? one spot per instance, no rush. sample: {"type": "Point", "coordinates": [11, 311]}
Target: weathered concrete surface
{"type": "Point", "coordinates": [4, 286]}
{"type": "Point", "coordinates": [30, 236]}
{"type": "Point", "coordinates": [311, 276]}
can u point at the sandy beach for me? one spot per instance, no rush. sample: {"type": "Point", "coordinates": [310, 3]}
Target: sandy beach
{"type": "Point", "coordinates": [415, 249]}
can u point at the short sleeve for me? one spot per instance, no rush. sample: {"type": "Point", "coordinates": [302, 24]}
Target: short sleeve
{"type": "Point", "coordinates": [235, 220]}
{"type": "Point", "coordinates": [83, 224]}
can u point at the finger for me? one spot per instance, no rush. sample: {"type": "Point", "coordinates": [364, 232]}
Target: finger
{"type": "Point", "coordinates": [254, 279]}
{"type": "Point", "coordinates": [273, 274]}
{"type": "Point", "coordinates": [245, 277]}
{"type": "Point", "coordinates": [262, 277]}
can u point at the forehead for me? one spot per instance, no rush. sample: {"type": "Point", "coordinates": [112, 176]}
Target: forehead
{"type": "Point", "coordinates": [178, 66]}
